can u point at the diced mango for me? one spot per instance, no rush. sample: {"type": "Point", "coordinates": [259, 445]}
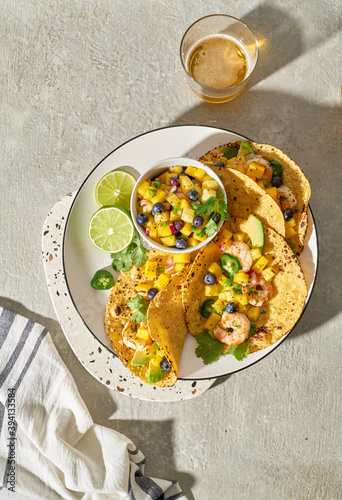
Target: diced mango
{"type": "Point", "coordinates": [142, 188]}
{"type": "Point", "coordinates": [253, 313]}
{"type": "Point", "coordinates": [212, 321]}
{"type": "Point", "coordinates": [211, 290]}
{"type": "Point", "coordinates": [174, 216]}
{"type": "Point", "coordinates": [210, 184]}
{"type": "Point", "coordinates": [289, 231]}
{"type": "Point", "coordinates": [184, 204]}
{"type": "Point", "coordinates": [272, 191]}
{"type": "Point", "coordinates": [241, 277]}
{"type": "Point", "coordinates": [164, 231]}
{"type": "Point", "coordinates": [199, 174]}
{"type": "Point", "coordinates": [155, 195]}
{"type": "Point", "coordinates": [239, 168]}
{"type": "Point", "coordinates": [160, 218]}
{"type": "Point", "coordinates": [143, 333]}
{"type": "Point", "coordinates": [190, 171]}
{"type": "Point", "coordinates": [192, 242]}
{"type": "Point", "coordinates": [168, 175]}
{"type": "Point", "coordinates": [143, 287]}
{"type": "Point", "coordinates": [291, 222]}
{"type": "Point", "coordinates": [256, 254]}
{"type": "Point", "coordinates": [255, 170]}
{"type": "Point", "coordinates": [173, 199]}
{"type": "Point", "coordinates": [179, 267]}
{"type": "Point", "coordinates": [146, 207]}
{"type": "Point", "coordinates": [243, 309]}
{"type": "Point", "coordinates": [161, 281]}
{"type": "Point", "coordinates": [260, 264]}
{"type": "Point", "coordinates": [214, 268]}
{"type": "Point", "coordinates": [187, 229]}
{"type": "Point", "coordinates": [162, 177]}
{"type": "Point", "coordinates": [207, 193]}
{"type": "Point", "coordinates": [222, 279]}
{"type": "Point", "coordinates": [188, 215]}
{"type": "Point", "coordinates": [263, 184]}
{"type": "Point", "coordinates": [152, 232]}
{"type": "Point", "coordinates": [186, 184]}
{"type": "Point", "coordinates": [150, 269]}
{"type": "Point", "coordinates": [206, 178]}
{"type": "Point", "coordinates": [238, 236]}
{"type": "Point", "coordinates": [177, 169]}
{"type": "Point", "coordinates": [231, 160]}
{"type": "Point", "coordinates": [181, 258]}
{"type": "Point", "coordinates": [218, 306]}
{"type": "Point", "coordinates": [269, 273]}
{"type": "Point", "coordinates": [226, 296]}
{"type": "Point", "coordinates": [168, 241]}
{"type": "Point", "coordinates": [241, 298]}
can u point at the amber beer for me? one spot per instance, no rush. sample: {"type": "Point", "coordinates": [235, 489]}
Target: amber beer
{"type": "Point", "coordinates": [218, 53]}
{"type": "Point", "coordinates": [218, 62]}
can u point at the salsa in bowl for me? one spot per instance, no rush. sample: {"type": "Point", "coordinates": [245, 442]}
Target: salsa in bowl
{"type": "Point", "coordinates": [179, 205]}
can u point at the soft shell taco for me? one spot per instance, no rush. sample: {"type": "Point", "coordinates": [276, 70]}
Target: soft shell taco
{"type": "Point", "coordinates": [276, 174]}
{"type": "Point", "coordinates": [244, 291]}
{"type": "Point", "coordinates": [144, 318]}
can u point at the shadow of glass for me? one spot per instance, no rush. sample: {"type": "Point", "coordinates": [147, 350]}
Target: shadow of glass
{"type": "Point", "coordinates": [309, 133]}
{"type": "Point", "coordinates": [281, 38]}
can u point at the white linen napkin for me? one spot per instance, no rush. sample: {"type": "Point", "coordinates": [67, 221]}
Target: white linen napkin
{"type": "Point", "coordinates": [50, 447]}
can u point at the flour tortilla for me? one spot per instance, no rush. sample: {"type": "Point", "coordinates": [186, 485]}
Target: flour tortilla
{"type": "Point", "coordinates": [170, 297]}
{"type": "Point", "coordinates": [293, 177]}
{"type": "Point", "coordinates": [281, 312]}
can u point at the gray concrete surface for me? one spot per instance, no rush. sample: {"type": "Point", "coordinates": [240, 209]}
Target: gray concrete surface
{"type": "Point", "coordinates": [81, 77]}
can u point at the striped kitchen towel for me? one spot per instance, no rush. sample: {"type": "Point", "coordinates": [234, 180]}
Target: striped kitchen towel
{"type": "Point", "coordinates": [50, 447]}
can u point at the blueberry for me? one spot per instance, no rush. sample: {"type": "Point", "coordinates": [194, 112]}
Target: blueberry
{"type": "Point", "coordinates": [288, 214]}
{"type": "Point", "coordinates": [181, 244]}
{"type": "Point", "coordinates": [142, 219]}
{"type": "Point", "coordinates": [165, 365]}
{"type": "Point", "coordinates": [210, 279]}
{"type": "Point", "coordinates": [198, 221]}
{"type": "Point", "coordinates": [157, 208]}
{"type": "Point", "coordinates": [173, 181]}
{"type": "Point", "coordinates": [193, 194]}
{"type": "Point", "coordinates": [231, 307]}
{"type": "Point", "coordinates": [219, 164]}
{"type": "Point", "coordinates": [178, 225]}
{"type": "Point", "coordinates": [217, 218]}
{"type": "Point", "coordinates": [152, 292]}
{"type": "Point", "coordinates": [276, 181]}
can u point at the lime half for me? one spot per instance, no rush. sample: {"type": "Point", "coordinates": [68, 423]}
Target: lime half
{"type": "Point", "coordinates": [115, 188]}
{"type": "Point", "coordinates": [111, 229]}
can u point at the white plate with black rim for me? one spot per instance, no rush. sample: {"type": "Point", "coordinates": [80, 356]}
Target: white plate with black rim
{"type": "Point", "coordinates": [81, 259]}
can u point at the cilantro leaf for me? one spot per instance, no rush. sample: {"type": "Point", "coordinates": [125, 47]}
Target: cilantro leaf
{"type": "Point", "coordinates": [207, 207]}
{"type": "Point", "coordinates": [133, 254]}
{"type": "Point", "coordinates": [219, 195]}
{"type": "Point", "coordinates": [252, 330]}
{"type": "Point", "coordinates": [240, 351]}
{"type": "Point", "coordinates": [210, 227]}
{"type": "Point", "coordinates": [230, 152]}
{"type": "Point", "coordinates": [209, 349]}
{"type": "Point", "coordinates": [222, 208]}
{"type": "Point", "coordinates": [139, 306]}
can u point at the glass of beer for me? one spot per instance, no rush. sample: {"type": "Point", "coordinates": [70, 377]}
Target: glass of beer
{"type": "Point", "coordinates": [219, 54]}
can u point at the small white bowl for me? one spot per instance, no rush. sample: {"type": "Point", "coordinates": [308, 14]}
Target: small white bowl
{"type": "Point", "coordinates": [157, 169]}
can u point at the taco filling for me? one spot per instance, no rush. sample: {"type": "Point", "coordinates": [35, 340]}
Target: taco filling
{"type": "Point", "coordinates": [250, 291]}
{"type": "Point", "coordinates": [277, 175]}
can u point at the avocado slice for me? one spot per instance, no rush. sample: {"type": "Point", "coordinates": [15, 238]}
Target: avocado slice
{"type": "Point", "coordinates": [141, 358]}
{"type": "Point", "coordinates": [255, 231]}
{"type": "Point", "coordinates": [155, 373]}
{"type": "Point", "coordinates": [245, 149]}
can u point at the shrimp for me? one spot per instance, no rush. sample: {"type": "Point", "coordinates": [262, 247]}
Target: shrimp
{"type": "Point", "coordinates": [268, 173]}
{"type": "Point", "coordinates": [232, 329]}
{"type": "Point", "coordinates": [241, 251]}
{"type": "Point", "coordinates": [130, 338]}
{"type": "Point", "coordinates": [260, 290]}
{"type": "Point", "coordinates": [286, 198]}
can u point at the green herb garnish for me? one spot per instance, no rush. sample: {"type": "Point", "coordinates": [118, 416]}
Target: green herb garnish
{"type": "Point", "coordinates": [230, 152]}
{"type": "Point", "coordinates": [240, 351]}
{"type": "Point", "coordinates": [139, 306]}
{"type": "Point", "coordinates": [209, 348]}
{"type": "Point", "coordinates": [157, 184]}
{"type": "Point", "coordinates": [133, 254]}
{"type": "Point", "coordinates": [152, 192]}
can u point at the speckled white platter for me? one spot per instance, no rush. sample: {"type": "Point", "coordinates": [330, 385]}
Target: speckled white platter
{"type": "Point", "coordinates": [82, 258]}
{"type": "Point", "coordinates": [100, 362]}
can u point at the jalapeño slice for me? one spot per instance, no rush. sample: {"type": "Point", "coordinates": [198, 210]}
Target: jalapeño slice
{"type": "Point", "coordinates": [230, 265]}
{"type": "Point", "coordinates": [102, 280]}
{"type": "Point", "coordinates": [206, 308]}
{"type": "Point", "coordinates": [277, 168]}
